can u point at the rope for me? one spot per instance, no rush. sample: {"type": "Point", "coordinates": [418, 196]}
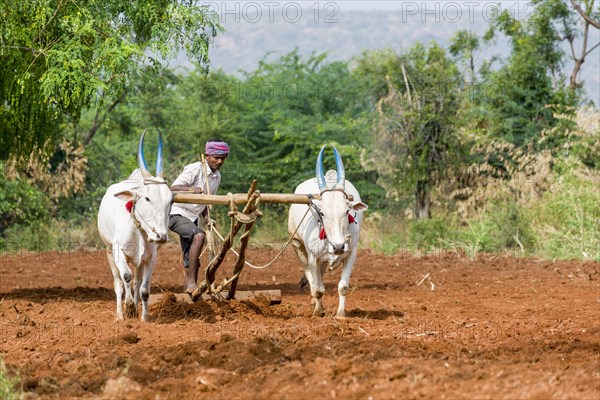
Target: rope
{"type": "Point", "coordinates": [314, 210]}
{"type": "Point", "coordinates": [277, 256]}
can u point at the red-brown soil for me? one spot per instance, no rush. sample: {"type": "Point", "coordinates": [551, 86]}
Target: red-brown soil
{"type": "Point", "coordinates": [494, 327]}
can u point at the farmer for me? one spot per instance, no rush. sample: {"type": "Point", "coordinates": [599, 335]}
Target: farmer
{"type": "Point", "coordinates": [184, 217]}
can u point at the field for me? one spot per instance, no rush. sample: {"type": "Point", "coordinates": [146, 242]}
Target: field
{"type": "Point", "coordinates": [434, 326]}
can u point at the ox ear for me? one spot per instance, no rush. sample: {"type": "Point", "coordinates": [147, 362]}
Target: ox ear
{"type": "Point", "coordinates": [358, 206]}
{"type": "Point", "coordinates": [126, 195]}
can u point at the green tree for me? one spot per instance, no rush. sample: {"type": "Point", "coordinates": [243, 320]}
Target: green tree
{"type": "Point", "coordinates": [59, 58]}
{"type": "Point", "coordinates": [414, 133]}
{"type": "Point", "coordinates": [519, 98]}
{"type": "Point", "coordinates": [294, 105]}
{"type": "Point", "coordinates": [590, 17]}
{"type": "Point", "coordinates": [464, 45]}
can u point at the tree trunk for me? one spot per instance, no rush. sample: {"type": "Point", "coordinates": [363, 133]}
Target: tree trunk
{"type": "Point", "coordinates": [573, 84]}
{"type": "Point", "coordinates": [422, 200]}
{"type": "Point", "coordinates": [99, 121]}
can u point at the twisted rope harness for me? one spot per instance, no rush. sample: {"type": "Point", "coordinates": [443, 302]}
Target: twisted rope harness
{"type": "Point", "coordinates": [278, 254]}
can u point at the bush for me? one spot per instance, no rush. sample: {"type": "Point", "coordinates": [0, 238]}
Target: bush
{"type": "Point", "coordinates": [383, 231]}
{"type": "Point", "coordinates": [429, 233]}
{"type": "Point", "coordinates": [7, 385]}
{"type": "Point", "coordinates": [567, 218]}
{"type": "Point", "coordinates": [56, 235]}
{"type": "Point", "coordinates": [506, 226]}
{"type": "Point", "coordinates": [20, 203]}
{"type": "Point", "coordinates": [512, 228]}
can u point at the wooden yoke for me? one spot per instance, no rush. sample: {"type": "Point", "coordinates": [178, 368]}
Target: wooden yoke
{"type": "Point", "coordinates": [242, 198]}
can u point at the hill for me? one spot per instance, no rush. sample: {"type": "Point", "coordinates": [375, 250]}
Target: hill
{"type": "Point", "coordinates": [254, 34]}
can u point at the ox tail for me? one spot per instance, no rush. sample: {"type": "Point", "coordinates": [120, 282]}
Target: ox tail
{"type": "Point", "coordinates": [303, 283]}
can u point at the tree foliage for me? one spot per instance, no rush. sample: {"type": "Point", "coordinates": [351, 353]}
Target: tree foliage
{"type": "Point", "coordinates": [61, 57]}
{"type": "Point", "coordinates": [465, 45]}
{"type": "Point", "coordinates": [301, 104]}
{"type": "Point", "coordinates": [415, 128]}
{"type": "Point", "coordinates": [520, 96]}
{"type": "Point", "coordinates": [408, 132]}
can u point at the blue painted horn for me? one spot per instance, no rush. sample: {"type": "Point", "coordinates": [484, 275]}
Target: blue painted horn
{"type": "Point", "coordinates": [141, 159]}
{"type": "Point", "coordinates": [320, 174]}
{"type": "Point", "coordinates": [159, 159]}
{"type": "Point", "coordinates": [339, 165]}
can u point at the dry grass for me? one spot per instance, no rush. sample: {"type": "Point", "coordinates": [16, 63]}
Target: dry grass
{"type": "Point", "coordinates": [65, 179]}
{"type": "Point", "coordinates": [522, 175]}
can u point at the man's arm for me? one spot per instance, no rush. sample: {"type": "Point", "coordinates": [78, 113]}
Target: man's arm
{"type": "Point", "coordinates": [184, 181]}
{"type": "Point", "coordinates": [184, 188]}
{"type": "Point", "coordinates": [207, 220]}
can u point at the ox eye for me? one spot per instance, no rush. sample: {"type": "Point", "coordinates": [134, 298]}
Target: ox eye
{"type": "Point", "coordinates": [147, 198]}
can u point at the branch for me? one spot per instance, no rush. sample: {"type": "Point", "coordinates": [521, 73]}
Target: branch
{"type": "Point", "coordinates": [23, 48]}
{"type": "Point", "coordinates": [97, 124]}
{"type": "Point", "coordinates": [572, 46]}
{"type": "Point", "coordinates": [586, 17]}
{"type": "Point", "coordinates": [47, 23]}
{"type": "Point", "coordinates": [592, 49]}
{"type": "Point", "coordinates": [406, 83]}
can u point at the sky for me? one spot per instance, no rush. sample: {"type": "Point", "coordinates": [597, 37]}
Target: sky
{"type": "Point", "coordinates": [361, 4]}
{"type": "Point", "coordinates": [317, 21]}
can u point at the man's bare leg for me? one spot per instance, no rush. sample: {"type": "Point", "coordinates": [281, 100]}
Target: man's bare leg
{"type": "Point", "coordinates": [191, 273]}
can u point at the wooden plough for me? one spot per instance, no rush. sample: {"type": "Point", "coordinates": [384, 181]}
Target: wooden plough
{"type": "Point", "coordinates": [245, 218]}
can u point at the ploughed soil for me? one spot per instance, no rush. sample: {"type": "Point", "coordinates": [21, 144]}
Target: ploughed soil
{"type": "Point", "coordinates": [437, 326]}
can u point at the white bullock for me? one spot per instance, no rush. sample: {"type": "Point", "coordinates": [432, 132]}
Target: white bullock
{"type": "Point", "coordinates": [328, 235]}
{"type": "Point", "coordinates": [133, 223]}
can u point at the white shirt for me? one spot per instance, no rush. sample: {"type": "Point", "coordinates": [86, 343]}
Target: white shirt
{"type": "Point", "coordinates": [194, 177]}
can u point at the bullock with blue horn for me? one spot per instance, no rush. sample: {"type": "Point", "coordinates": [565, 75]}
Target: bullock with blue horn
{"type": "Point", "coordinates": [133, 223]}
{"type": "Point", "coordinates": [325, 232]}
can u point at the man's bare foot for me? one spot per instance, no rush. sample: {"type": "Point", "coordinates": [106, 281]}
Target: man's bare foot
{"type": "Point", "coordinates": [189, 289]}
{"type": "Point", "coordinates": [189, 281]}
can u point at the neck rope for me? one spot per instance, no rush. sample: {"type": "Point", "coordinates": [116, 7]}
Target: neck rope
{"type": "Point", "coordinates": [319, 218]}
{"type": "Point", "coordinates": [130, 207]}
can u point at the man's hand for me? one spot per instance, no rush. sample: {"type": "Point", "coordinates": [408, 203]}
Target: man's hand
{"type": "Point", "coordinates": [196, 190]}
{"type": "Point", "coordinates": [210, 223]}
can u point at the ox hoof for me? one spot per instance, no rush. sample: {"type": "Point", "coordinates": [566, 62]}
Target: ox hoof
{"type": "Point", "coordinates": [131, 311]}
{"type": "Point", "coordinates": [341, 316]}
{"type": "Point", "coordinates": [318, 313]}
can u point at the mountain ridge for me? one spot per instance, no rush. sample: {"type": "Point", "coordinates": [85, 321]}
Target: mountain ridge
{"type": "Point", "coordinates": [249, 39]}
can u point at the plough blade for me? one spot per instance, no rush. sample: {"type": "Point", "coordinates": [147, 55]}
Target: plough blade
{"type": "Point", "coordinates": [274, 296]}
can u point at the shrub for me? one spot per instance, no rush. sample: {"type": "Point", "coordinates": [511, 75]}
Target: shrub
{"type": "Point", "coordinates": [567, 218]}
{"type": "Point", "coordinates": [20, 203]}
{"type": "Point", "coordinates": [7, 384]}
{"type": "Point", "coordinates": [55, 235]}
{"type": "Point", "coordinates": [429, 233]}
